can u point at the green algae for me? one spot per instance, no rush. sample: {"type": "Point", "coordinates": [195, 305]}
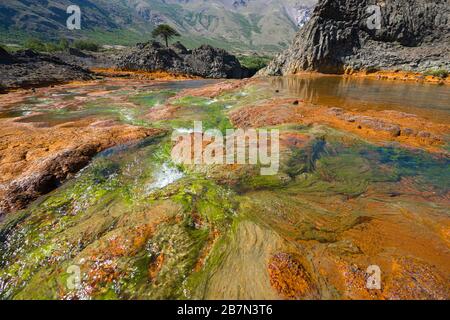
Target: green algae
{"type": "Point", "coordinates": [190, 101]}
{"type": "Point", "coordinates": [429, 169]}
{"type": "Point", "coordinates": [210, 112]}
{"type": "Point", "coordinates": [89, 207]}
{"type": "Point", "coordinates": [201, 213]}
{"type": "Point", "coordinates": [152, 98]}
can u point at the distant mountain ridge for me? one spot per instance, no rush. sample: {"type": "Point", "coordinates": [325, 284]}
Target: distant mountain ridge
{"type": "Point", "coordinates": [266, 25]}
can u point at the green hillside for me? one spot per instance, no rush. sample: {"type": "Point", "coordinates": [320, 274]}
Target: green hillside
{"type": "Point", "coordinates": [247, 25]}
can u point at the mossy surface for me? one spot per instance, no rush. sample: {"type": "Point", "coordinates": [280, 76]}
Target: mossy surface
{"type": "Point", "coordinates": [153, 98]}
{"type": "Point", "coordinates": [140, 227]}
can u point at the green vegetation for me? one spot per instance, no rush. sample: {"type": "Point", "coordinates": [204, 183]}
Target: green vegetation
{"type": "Point", "coordinates": [117, 37]}
{"type": "Point", "coordinates": [114, 23]}
{"type": "Point", "coordinates": [166, 32]}
{"type": "Point", "coordinates": [254, 63]}
{"type": "Point", "coordinates": [248, 26]}
{"type": "Point", "coordinates": [35, 44]}
{"type": "Point", "coordinates": [441, 73]}
{"type": "Point", "coordinates": [86, 45]}
{"type": "Point", "coordinates": [151, 99]}
{"type": "Point", "coordinates": [63, 44]}
{"type": "Point", "coordinates": [134, 237]}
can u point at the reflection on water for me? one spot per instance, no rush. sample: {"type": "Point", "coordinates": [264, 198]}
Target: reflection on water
{"type": "Point", "coordinates": [428, 100]}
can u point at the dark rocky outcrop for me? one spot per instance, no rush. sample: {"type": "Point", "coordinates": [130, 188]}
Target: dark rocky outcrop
{"type": "Point", "coordinates": [205, 61]}
{"type": "Point", "coordinates": [88, 60]}
{"type": "Point", "coordinates": [179, 48]}
{"type": "Point", "coordinates": [414, 36]}
{"type": "Point", "coordinates": [5, 57]}
{"type": "Point", "coordinates": [28, 69]}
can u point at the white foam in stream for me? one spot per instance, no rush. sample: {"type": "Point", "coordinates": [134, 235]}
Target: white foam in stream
{"type": "Point", "coordinates": [211, 102]}
{"type": "Point", "coordinates": [165, 176]}
{"type": "Point", "coordinates": [184, 130]}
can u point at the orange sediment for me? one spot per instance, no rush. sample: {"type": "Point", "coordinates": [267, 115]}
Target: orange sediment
{"type": "Point", "coordinates": [376, 126]}
{"type": "Point", "coordinates": [154, 75]}
{"type": "Point", "coordinates": [289, 278]}
{"type": "Point", "coordinates": [392, 75]}
{"type": "Point", "coordinates": [398, 76]}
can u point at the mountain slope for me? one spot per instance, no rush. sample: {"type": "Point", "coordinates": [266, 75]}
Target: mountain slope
{"type": "Point", "coordinates": [237, 24]}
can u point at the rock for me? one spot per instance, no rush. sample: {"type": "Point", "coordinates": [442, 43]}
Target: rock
{"type": "Point", "coordinates": [34, 161]}
{"type": "Point", "coordinates": [424, 281]}
{"type": "Point", "coordinates": [424, 134]}
{"type": "Point", "coordinates": [205, 61]}
{"type": "Point", "coordinates": [5, 57]}
{"type": "Point", "coordinates": [337, 39]}
{"type": "Point", "coordinates": [179, 48]}
{"type": "Point", "coordinates": [336, 111]}
{"type": "Point", "coordinates": [78, 53]}
{"type": "Point", "coordinates": [31, 69]}
{"type": "Point", "coordinates": [408, 132]}
{"type": "Point", "coordinates": [100, 60]}
{"type": "Point", "coordinates": [289, 277]}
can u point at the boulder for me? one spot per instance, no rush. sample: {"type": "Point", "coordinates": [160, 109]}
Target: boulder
{"type": "Point", "coordinates": [210, 62]}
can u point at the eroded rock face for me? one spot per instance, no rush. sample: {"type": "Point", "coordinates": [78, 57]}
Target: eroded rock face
{"type": "Point", "coordinates": [413, 37]}
{"type": "Point", "coordinates": [205, 61]}
{"type": "Point", "coordinates": [34, 161]}
{"type": "Point", "coordinates": [5, 57]}
{"type": "Point", "coordinates": [28, 69]}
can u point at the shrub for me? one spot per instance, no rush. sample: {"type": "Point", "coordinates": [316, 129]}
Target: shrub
{"type": "Point", "coordinates": [442, 73]}
{"type": "Point", "coordinates": [52, 47]}
{"type": "Point", "coordinates": [38, 45]}
{"type": "Point", "coordinates": [64, 44]}
{"type": "Point", "coordinates": [254, 63]}
{"type": "Point", "coordinates": [35, 44]}
{"type": "Point", "coordinates": [86, 45]}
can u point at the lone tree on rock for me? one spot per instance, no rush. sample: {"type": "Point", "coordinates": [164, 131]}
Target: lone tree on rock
{"type": "Point", "coordinates": [166, 32]}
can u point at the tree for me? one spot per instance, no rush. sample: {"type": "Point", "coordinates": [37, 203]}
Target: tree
{"type": "Point", "coordinates": [166, 32]}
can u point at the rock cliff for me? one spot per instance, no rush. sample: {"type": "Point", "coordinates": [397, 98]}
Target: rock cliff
{"type": "Point", "coordinates": [343, 36]}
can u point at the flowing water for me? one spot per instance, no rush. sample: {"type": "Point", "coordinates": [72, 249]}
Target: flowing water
{"type": "Point", "coordinates": [133, 225]}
